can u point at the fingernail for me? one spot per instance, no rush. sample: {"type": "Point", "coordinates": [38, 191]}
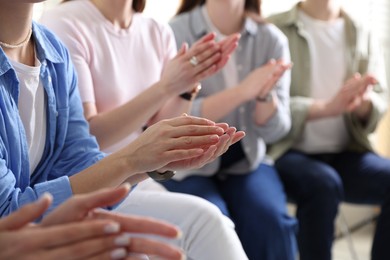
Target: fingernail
{"type": "Point", "coordinates": [214, 138]}
{"type": "Point", "coordinates": [118, 253]}
{"type": "Point", "coordinates": [179, 234]}
{"type": "Point", "coordinates": [111, 228]}
{"type": "Point", "coordinates": [44, 196]}
{"type": "Point", "coordinates": [127, 185]}
{"type": "Point", "coordinates": [123, 240]}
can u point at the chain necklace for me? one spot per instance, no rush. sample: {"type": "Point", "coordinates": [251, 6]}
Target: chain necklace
{"type": "Point", "coordinates": [18, 45]}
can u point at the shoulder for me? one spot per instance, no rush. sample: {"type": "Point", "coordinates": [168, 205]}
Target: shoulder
{"type": "Point", "coordinates": [67, 10]}
{"type": "Point", "coordinates": [281, 19]}
{"type": "Point", "coordinates": [48, 40]}
{"type": "Point", "coordinates": [71, 16]}
{"type": "Point", "coordinates": [269, 33]}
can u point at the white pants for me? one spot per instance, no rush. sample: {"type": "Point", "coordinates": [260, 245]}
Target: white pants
{"type": "Point", "coordinates": [207, 233]}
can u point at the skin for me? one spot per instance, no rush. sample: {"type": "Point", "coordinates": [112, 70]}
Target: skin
{"type": "Point", "coordinates": [79, 230]}
{"type": "Point", "coordinates": [259, 82]}
{"type": "Point", "coordinates": [178, 143]}
{"type": "Point", "coordinates": [161, 100]}
{"type": "Point", "coordinates": [354, 96]}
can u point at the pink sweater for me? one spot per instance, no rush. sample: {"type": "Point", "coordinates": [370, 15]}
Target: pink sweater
{"type": "Point", "coordinates": [113, 65]}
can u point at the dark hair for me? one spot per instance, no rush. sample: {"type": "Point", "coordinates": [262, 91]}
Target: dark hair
{"type": "Point", "coordinates": [138, 5]}
{"type": "Point", "coordinates": [251, 6]}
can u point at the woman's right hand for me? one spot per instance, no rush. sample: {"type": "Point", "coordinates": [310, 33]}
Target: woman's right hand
{"type": "Point", "coordinates": [262, 80]}
{"type": "Point", "coordinates": [180, 75]}
{"type": "Point", "coordinates": [169, 140]}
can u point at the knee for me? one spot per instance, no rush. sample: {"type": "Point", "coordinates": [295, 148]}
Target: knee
{"type": "Point", "coordinates": [327, 185]}
{"type": "Point", "coordinates": [208, 216]}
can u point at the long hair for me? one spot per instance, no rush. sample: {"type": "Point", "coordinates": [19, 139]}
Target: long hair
{"type": "Point", "coordinates": [138, 5]}
{"type": "Point", "coordinates": [251, 6]}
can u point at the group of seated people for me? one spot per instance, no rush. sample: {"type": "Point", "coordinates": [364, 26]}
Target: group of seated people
{"type": "Point", "coordinates": [233, 113]}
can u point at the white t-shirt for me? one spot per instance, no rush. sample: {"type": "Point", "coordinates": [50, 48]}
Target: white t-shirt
{"type": "Point", "coordinates": [32, 109]}
{"type": "Point", "coordinates": [328, 71]}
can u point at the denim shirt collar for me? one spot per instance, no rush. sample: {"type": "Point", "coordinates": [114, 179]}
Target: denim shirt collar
{"type": "Point", "coordinates": [200, 28]}
{"type": "Point", "coordinates": [45, 51]}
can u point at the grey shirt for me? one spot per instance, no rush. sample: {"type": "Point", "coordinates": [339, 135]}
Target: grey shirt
{"type": "Point", "coordinates": [259, 43]}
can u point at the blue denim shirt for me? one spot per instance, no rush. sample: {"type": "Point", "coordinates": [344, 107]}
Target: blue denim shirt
{"type": "Point", "coordinates": [69, 147]}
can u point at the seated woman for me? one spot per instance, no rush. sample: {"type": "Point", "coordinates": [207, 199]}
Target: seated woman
{"type": "Point", "coordinates": [142, 82]}
{"type": "Point", "coordinates": [252, 92]}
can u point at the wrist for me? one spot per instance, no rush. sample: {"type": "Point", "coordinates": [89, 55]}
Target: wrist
{"type": "Point", "coordinates": [161, 176]}
{"type": "Point", "coordinates": [191, 95]}
{"type": "Point", "coordinates": [264, 99]}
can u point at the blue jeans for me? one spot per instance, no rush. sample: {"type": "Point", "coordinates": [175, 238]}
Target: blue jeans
{"type": "Point", "coordinates": [318, 183]}
{"type": "Point", "coordinates": [256, 203]}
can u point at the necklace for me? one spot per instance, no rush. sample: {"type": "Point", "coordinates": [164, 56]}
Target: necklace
{"type": "Point", "coordinates": [18, 45]}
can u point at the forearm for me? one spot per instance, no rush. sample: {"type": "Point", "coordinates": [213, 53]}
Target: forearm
{"type": "Point", "coordinates": [176, 106]}
{"type": "Point", "coordinates": [113, 126]}
{"type": "Point", "coordinates": [108, 172]}
{"type": "Point", "coordinates": [318, 109]}
{"type": "Point", "coordinates": [219, 105]}
{"type": "Point", "coordinates": [264, 111]}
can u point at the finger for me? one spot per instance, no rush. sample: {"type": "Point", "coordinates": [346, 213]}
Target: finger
{"type": "Point", "coordinates": [224, 126]}
{"type": "Point", "coordinates": [192, 142]}
{"type": "Point", "coordinates": [194, 130]}
{"type": "Point", "coordinates": [183, 50]}
{"type": "Point", "coordinates": [228, 42]}
{"type": "Point", "coordinates": [208, 37]}
{"type": "Point", "coordinates": [222, 145]}
{"type": "Point", "coordinates": [204, 52]}
{"type": "Point", "coordinates": [26, 214]}
{"type": "Point", "coordinates": [187, 120]}
{"type": "Point", "coordinates": [155, 248]}
{"type": "Point", "coordinates": [144, 225]}
{"type": "Point", "coordinates": [208, 63]}
{"type": "Point", "coordinates": [78, 207]}
{"type": "Point", "coordinates": [238, 136]}
{"type": "Point", "coordinates": [73, 232]}
{"type": "Point", "coordinates": [111, 247]}
{"type": "Point", "coordinates": [206, 73]}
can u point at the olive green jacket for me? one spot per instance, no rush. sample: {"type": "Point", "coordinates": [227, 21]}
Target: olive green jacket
{"type": "Point", "coordinates": [363, 56]}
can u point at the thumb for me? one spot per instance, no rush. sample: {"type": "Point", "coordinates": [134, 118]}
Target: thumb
{"type": "Point", "coordinates": [26, 214]}
{"type": "Point", "coordinates": [183, 49]}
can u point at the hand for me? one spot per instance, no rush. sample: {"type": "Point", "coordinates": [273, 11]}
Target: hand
{"type": "Point", "coordinates": [76, 230]}
{"type": "Point", "coordinates": [230, 137]}
{"type": "Point", "coordinates": [180, 75]}
{"type": "Point", "coordinates": [262, 80]}
{"type": "Point", "coordinates": [351, 96]}
{"type": "Point", "coordinates": [171, 140]}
